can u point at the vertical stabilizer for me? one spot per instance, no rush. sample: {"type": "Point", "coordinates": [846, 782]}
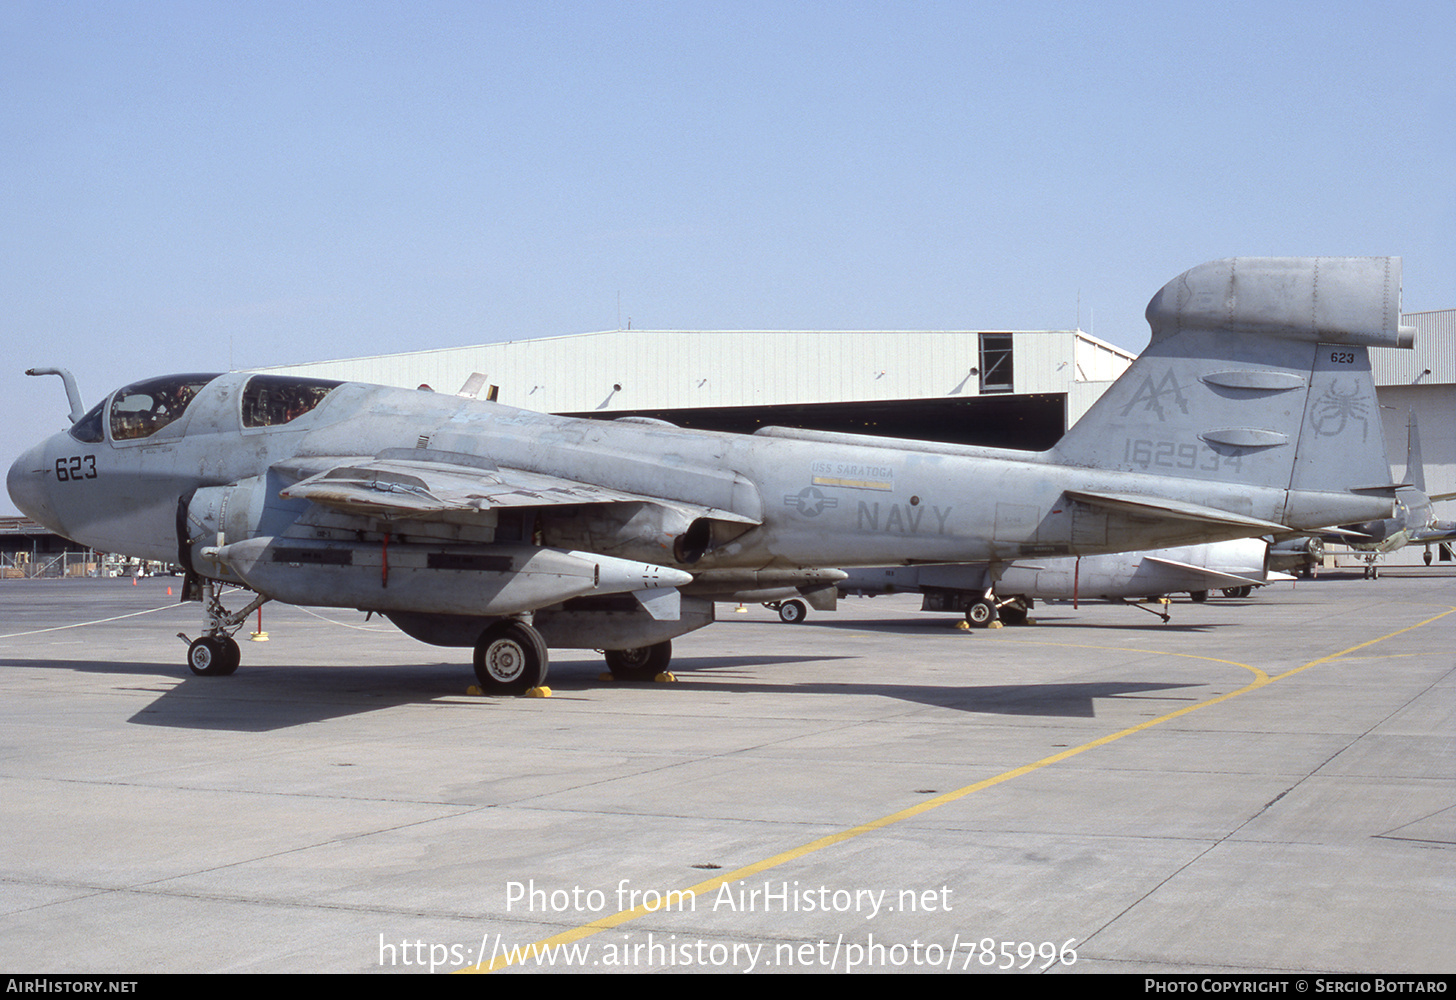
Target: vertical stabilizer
{"type": "Point", "coordinates": [1257, 374]}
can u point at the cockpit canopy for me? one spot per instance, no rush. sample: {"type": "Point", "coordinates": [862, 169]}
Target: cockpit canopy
{"type": "Point", "coordinates": [270, 400]}
{"type": "Point", "coordinates": [141, 409]}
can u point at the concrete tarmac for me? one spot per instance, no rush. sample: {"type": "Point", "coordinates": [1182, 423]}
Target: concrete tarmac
{"type": "Point", "coordinates": [1260, 786]}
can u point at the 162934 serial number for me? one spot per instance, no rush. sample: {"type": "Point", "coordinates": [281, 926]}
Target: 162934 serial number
{"type": "Point", "coordinates": [1171, 455]}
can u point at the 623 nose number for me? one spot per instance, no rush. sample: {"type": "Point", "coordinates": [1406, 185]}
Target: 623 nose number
{"type": "Point", "coordinates": [75, 467]}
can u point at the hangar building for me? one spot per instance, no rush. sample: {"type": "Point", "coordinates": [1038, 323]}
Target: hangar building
{"type": "Point", "coordinates": [1017, 389]}
{"type": "Point", "coordinates": [1421, 383]}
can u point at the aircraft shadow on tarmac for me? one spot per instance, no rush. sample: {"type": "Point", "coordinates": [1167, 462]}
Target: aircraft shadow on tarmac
{"type": "Point", "coordinates": [268, 698]}
{"type": "Point", "coordinates": [1066, 700]}
{"type": "Point", "coordinates": [923, 626]}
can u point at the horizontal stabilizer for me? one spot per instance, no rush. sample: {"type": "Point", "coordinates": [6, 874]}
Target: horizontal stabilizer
{"type": "Point", "coordinates": [1213, 576]}
{"type": "Point", "coordinates": [1439, 532]}
{"type": "Point", "coordinates": [1348, 535]}
{"type": "Point", "coordinates": [1160, 508]}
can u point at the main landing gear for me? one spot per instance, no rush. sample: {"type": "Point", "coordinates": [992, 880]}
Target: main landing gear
{"type": "Point", "coordinates": [984, 611]}
{"type": "Point", "coordinates": [790, 612]}
{"type": "Point", "coordinates": [640, 664]}
{"type": "Point", "coordinates": [510, 658]}
{"type": "Point", "coordinates": [981, 613]}
{"type": "Point", "coordinates": [216, 653]}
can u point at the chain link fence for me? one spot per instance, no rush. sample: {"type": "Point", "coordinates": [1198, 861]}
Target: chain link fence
{"type": "Point", "coordinates": [61, 565]}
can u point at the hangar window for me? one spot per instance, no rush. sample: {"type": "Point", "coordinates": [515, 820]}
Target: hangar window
{"type": "Point", "coordinates": [143, 408]}
{"type": "Point", "coordinates": [270, 400]}
{"type": "Point", "coordinates": [996, 362]}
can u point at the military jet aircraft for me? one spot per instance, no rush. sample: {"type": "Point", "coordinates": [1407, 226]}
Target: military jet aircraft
{"type": "Point", "coordinates": [1414, 521]}
{"type": "Point", "coordinates": [1235, 567]}
{"type": "Point", "coordinates": [474, 524]}
{"type": "Point", "coordinates": [1302, 555]}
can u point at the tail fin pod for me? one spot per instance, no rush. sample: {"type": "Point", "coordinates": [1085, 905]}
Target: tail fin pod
{"type": "Point", "coordinates": [1324, 300]}
{"type": "Point", "coordinates": [1257, 373]}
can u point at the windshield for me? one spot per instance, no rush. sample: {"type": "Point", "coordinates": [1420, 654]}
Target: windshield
{"type": "Point", "coordinates": [91, 427]}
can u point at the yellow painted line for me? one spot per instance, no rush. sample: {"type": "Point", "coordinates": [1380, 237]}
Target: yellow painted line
{"type": "Point", "coordinates": [1133, 649]}
{"type": "Point", "coordinates": [1400, 656]}
{"type": "Point", "coordinates": [1261, 679]}
{"type": "Point", "coordinates": [1363, 645]}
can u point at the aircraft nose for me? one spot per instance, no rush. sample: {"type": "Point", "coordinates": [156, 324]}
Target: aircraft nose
{"type": "Point", "coordinates": [27, 483]}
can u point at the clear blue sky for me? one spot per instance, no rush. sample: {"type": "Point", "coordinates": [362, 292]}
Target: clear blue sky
{"type": "Point", "coordinates": [205, 185]}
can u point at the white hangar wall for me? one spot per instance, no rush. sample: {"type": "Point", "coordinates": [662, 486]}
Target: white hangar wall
{"type": "Point", "coordinates": [681, 369]}
{"type": "Point", "coordinates": [1421, 382]}
{"type": "Point", "coordinates": [1000, 388]}
{"type": "Point", "coordinates": [687, 369]}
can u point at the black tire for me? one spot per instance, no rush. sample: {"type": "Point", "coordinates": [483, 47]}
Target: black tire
{"type": "Point", "coordinates": [981, 614]}
{"type": "Point", "coordinates": [640, 664]}
{"type": "Point", "coordinates": [1014, 612]}
{"type": "Point", "coordinates": [1198, 596]}
{"type": "Point", "coordinates": [793, 612]}
{"type": "Point", "coordinates": [209, 656]}
{"type": "Point", "coordinates": [232, 656]}
{"type": "Point", "coordinates": [510, 658]}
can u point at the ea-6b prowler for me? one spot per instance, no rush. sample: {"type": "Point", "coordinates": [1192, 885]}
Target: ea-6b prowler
{"type": "Point", "coordinates": [1414, 521]}
{"type": "Point", "coordinates": [474, 524]}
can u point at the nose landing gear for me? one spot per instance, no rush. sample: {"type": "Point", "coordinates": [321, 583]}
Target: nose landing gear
{"type": "Point", "coordinates": [216, 653]}
{"type": "Point", "coordinates": [214, 656]}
